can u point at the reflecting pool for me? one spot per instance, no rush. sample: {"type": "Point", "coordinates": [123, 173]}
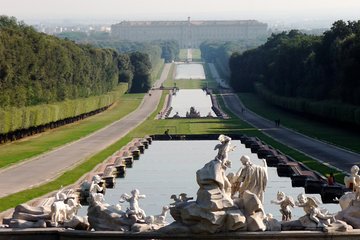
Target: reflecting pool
{"type": "Point", "coordinates": [189, 71]}
{"type": "Point", "coordinates": [169, 167]}
{"type": "Point", "coordinates": [184, 99]}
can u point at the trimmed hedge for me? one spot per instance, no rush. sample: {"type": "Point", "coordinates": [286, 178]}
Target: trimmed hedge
{"type": "Point", "coordinates": [13, 119]}
{"type": "Point", "coordinates": [332, 110]}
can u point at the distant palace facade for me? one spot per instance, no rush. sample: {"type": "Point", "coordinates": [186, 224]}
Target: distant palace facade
{"type": "Point", "coordinates": [188, 33]}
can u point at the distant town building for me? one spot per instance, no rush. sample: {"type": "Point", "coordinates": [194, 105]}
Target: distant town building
{"type": "Point", "coordinates": [188, 33]}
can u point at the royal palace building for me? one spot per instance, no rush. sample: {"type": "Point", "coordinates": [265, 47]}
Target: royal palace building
{"type": "Point", "coordinates": [188, 33]}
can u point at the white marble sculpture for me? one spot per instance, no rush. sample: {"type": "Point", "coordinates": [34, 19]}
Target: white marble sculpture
{"type": "Point", "coordinates": [182, 198]}
{"type": "Point", "coordinates": [224, 147]}
{"type": "Point", "coordinates": [351, 182]}
{"type": "Point", "coordinates": [133, 200]}
{"type": "Point", "coordinates": [286, 203]}
{"type": "Point", "coordinates": [214, 209]}
{"type": "Point", "coordinates": [158, 219]}
{"type": "Point", "coordinates": [94, 186]}
{"type": "Point", "coordinates": [312, 209]}
{"type": "Point", "coordinates": [62, 212]}
{"type": "Point", "coordinates": [252, 178]}
{"type": "Point", "coordinates": [213, 182]}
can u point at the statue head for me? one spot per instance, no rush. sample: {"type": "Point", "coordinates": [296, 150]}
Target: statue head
{"type": "Point", "coordinates": [302, 198]}
{"type": "Point", "coordinates": [354, 169]}
{"type": "Point", "coordinates": [280, 195]}
{"type": "Point", "coordinates": [96, 179]}
{"type": "Point", "coordinates": [135, 192]}
{"type": "Point", "coordinates": [245, 160]}
{"type": "Point", "coordinates": [224, 139]}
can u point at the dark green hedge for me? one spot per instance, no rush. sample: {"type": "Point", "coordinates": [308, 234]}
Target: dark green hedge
{"type": "Point", "coordinates": [14, 118]}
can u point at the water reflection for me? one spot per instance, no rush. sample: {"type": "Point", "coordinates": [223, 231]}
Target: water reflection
{"type": "Point", "coordinates": [184, 99]}
{"type": "Point", "coordinates": [169, 167]}
{"type": "Point", "coordinates": [189, 71]}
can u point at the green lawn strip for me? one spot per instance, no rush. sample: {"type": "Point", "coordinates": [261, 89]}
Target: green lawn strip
{"type": "Point", "coordinates": [313, 164]}
{"type": "Point", "coordinates": [183, 54]}
{"type": "Point", "coordinates": [313, 128]}
{"type": "Point", "coordinates": [157, 71]}
{"type": "Point", "coordinates": [196, 55]}
{"type": "Point", "coordinates": [186, 83]}
{"type": "Point", "coordinates": [41, 143]}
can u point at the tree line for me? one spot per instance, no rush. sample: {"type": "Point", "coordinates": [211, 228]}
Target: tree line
{"type": "Point", "coordinates": [36, 68]}
{"type": "Point", "coordinates": [150, 54]}
{"type": "Point", "coordinates": [293, 65]}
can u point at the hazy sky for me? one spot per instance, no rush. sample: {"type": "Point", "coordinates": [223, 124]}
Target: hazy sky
{"type": "Point", "coordinates": [181, 9]}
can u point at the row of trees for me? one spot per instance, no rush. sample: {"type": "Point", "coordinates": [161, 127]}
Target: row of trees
{"type": "Point", "coordinates": [36, 68]}
{"type": "Point", "coordinates": [293, 64]}
{"type": "Point", "coordinates": [169, 48]}
{"type": "Point", "coordinates": [143, 57]}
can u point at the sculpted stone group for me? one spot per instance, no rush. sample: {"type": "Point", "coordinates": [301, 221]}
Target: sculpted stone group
{"type": "Point", "coordinates": [224, 203]}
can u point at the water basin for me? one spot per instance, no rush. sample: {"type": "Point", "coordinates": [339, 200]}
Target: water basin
{"type": "Point", "coordinates": [169, 167]}
{"type": "Point", "coordinates": [184, 99]}
{"type": "Point", "coordinates": [189, 71]}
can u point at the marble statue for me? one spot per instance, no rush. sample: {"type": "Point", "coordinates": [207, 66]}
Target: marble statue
{"type": "Point", "coordinates": [158, 219]}
{"type": "Point", "coordinates": [133, 200]}
{"type": "Point", "coordinates": [193, 113]}
{"type": "Point", "coordinates": [311, 208]}
{"type": "Point", "coordinates": [212, 178]}
{"type": "Point", "coordinates": [252, 178]}
{"type": "Point", "coordinates": [352, 183]}
{"type": "Point", "coordinates": [286, 203]}
{"type": "Point", "coordinates": [62, 212]}
{"type": "Point", "coordinates": [214, 209]}
{"type": "Point", "coordinates": [181, 199]}
{"type": "Point", "coordinates": [94, 186]}
{"type": "Point", "coordinates": [224, 148]}
{"type": "Point", "coordinates": [105, 217]}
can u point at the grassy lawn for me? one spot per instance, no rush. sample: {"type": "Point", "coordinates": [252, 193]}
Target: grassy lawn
{"type": "Point", "coordinates": [316, 129]}
{"type": "Point", "coordinates": [32, 146]}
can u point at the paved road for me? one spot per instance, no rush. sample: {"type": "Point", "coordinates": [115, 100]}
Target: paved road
{"type": "Point", "coordinates": [323, 152]}
{"type": "Point", "coordinates": [50, 165]}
